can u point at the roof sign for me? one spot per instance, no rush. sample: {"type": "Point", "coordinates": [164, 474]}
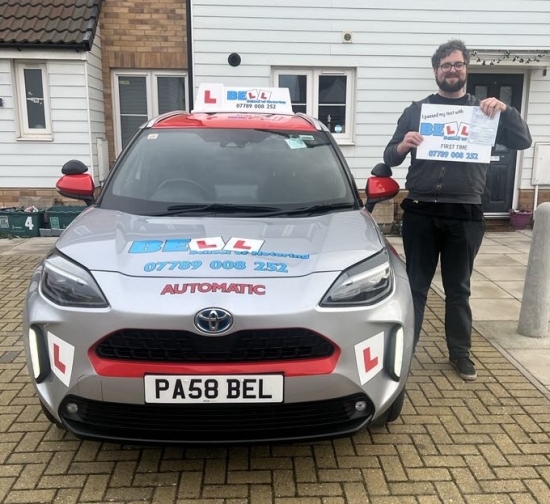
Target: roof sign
{"type": "Point", "coordinates": [218, 98]}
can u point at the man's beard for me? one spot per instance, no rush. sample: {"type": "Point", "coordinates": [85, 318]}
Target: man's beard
{"type": "Point", "coordinates": [448, 87]}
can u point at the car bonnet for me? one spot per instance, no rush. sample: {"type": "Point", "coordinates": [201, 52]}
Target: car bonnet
{"type": "Point", "coordinates": [213, 247]}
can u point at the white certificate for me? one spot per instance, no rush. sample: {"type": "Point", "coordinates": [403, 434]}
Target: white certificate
{"type": "Point", "coordinates": [446, 130]}
{"type": "Point", "coordinates": [483, 129]}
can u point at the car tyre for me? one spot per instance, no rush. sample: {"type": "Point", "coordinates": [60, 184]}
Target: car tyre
{"type": "Point", "coordinates": [50, 417]}
{"type": "Point", "coordinates": [393, 412]}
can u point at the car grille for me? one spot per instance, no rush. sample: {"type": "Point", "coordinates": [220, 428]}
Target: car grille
{"type": "Point", "coordinates": [220, 423]}
{"type": "Point", "coordinates": [241, 346]}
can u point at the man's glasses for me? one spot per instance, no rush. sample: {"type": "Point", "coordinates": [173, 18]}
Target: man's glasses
{"type": "Point", "coordinates": [459, 65]}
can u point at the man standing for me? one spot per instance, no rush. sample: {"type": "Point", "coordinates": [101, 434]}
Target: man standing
{"type": "Point", "coordinates": [443, 216]}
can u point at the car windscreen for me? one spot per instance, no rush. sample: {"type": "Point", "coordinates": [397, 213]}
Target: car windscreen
{"type": "Point", "coordinates": [171, 168]}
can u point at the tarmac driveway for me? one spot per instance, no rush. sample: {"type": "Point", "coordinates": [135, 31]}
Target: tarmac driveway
{"type": "Point", "coordinates": [484, 442]}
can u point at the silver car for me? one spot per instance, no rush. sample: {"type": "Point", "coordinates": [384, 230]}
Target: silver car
{"type": "Point", "coordinates": [226, 285]}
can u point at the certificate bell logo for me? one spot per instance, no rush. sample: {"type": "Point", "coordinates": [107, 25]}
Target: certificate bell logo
{"type": "Point", "coordinates": [258, 94]}
{"type": "Point", "coordinates": [450, 129]}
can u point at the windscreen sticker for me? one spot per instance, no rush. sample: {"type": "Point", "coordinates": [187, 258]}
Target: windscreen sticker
{"type": "Point", "coordinates": [370, 357]}
{"type": "Point", "coordinates": [61, 358]}
{"type": "Point", "coordinates": [152, 136]}
{"type": "Point", "coordinates": [206, 287]}
{"type": "Point", "coordinates": [295, 143]}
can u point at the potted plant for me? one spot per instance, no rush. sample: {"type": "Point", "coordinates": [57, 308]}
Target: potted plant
{"type": "Point", "coordinates": [520, 219]}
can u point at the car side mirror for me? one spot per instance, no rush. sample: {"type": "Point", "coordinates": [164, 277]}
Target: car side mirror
{"type": "Point", "coordinates": [380, 189]}
{"type": "Point", "coordinates": [78, 186]}
{"type": "Point", "coordinates": [75, 183]}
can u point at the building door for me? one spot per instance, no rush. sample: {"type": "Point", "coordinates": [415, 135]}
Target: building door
{"type": "Point", "coordinates": [499, 191]}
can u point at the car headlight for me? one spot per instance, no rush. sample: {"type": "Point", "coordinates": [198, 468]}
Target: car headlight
{"type": "Point", "coordinates": [366, 283]}
{"type": "Point", "coordinates": [66, 283]}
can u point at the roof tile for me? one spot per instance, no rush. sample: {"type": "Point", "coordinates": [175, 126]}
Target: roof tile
{"type": "Point", "coordinates": [49, 23]}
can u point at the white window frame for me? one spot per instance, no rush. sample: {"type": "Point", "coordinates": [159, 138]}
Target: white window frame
{"type": "Point", "coordinates": [312, 94]}
{"type": "Point", "coordinates": [152, 95]}
{"type": "Point", "coordinates": [26, 132]}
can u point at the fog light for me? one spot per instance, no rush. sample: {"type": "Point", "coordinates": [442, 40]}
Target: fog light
{"type": "Point", "coordinates": [398, 359]}
{"type": "Point", "coordinates": [71, 408]}
{"type": "Point", "coordinates": [361, 405]}
{"type": "Point", "coordinates": [39, 355]}
{"type": "Point", "coordinates": [394, 355]}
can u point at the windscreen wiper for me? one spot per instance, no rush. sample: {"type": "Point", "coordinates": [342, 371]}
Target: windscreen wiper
{"type": "Point", "coordinates": [314, 209]}
{"type": "Point", "coordinates": [216, 207]}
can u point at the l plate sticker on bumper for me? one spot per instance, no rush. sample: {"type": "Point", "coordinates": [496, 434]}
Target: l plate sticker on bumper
{"type": "Point", "coordinates": [370, 357]}
{"type": "Point", "coordinates": [61, 358]}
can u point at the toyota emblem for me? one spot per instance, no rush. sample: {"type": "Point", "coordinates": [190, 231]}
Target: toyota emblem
{"type": "Point", "coordinates": [213, 320]}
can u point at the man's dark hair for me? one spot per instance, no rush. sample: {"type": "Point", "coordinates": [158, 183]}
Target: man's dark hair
{"type": "Point", "coordinates": [447, 48]}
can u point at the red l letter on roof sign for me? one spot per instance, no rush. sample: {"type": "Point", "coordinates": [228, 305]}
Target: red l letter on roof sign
{"type": "Point", "coordinates": [208, 98]}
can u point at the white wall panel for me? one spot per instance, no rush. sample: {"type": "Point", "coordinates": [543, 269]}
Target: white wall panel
{"type": "Point", "coordinates": [393, 41]}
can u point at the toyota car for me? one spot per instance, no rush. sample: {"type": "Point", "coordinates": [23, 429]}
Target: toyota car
{"type": "Point", "coordinates": [227, 285]}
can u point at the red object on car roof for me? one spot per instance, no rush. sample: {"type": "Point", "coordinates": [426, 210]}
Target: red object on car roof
{"type": "Point", "coordinates": [235, 120]}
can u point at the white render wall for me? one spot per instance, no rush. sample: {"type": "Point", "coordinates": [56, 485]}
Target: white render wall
{"type": "Point", "coordinates": [76, 116]}
{"type": "Point", "coordinates": [37, 163]}
{"type": "Point", "coordinates": [393, 41]}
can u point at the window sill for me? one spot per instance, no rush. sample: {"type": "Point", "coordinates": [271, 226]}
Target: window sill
{"type": "Point", "coordinates": [41, 138]}
{"type": "Point", "coordinates": [343, 143]}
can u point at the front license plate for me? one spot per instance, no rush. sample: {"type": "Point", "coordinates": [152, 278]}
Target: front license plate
{"type": "Point", "coordinates": [214, 388]}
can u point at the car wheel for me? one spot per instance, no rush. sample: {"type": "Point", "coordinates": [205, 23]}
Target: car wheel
{"type": "Point", "coordinates": [49, 416]}
{"type": "Point", "coordinates": [393, 412]}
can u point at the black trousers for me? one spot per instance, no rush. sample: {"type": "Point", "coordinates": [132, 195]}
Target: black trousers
{"type": "Point", "coordinates": [456, 242]}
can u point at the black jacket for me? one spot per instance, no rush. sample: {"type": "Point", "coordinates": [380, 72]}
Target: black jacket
{"type": "Point", "coordinates": [447, 181]}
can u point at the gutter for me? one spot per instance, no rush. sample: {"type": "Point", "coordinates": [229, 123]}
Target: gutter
{"type": "Point", "coordinates": [38, 45]}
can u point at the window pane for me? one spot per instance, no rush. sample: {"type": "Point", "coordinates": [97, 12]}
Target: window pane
{"type": "Point", "coordinates": [133, 95]}
{"type": "Point", "coordinates": [34, 94]}
{"type": "Point", "coordinates": [297, 86]}
{"type": "Point", "coordinates": [133, 106]}
{"type": "Point", "coordinates": [332, 102]}
{"type": "Point", "coordinates": [299, 108]}
{"type": "Point", "coordinates": [332, 89]}
{"type": "Point", "coordinates": [334, 117]}
{"type": "Point", "coordinates": [171, 94]}
{"type": "Point", "coordinates": [128, 126]}
{"type": "Point", "coordinates": [481, 92]}
{"type": "Point", "coordinates": [506, 95]}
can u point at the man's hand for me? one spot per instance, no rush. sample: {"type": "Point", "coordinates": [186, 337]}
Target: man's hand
{"type": "Point", "coordinates": [490, 106]}
{"type": "Point", "coordinates": [410, 141]}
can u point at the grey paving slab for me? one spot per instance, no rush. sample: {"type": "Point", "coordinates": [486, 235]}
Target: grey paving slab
{"type": "Point", "coordinates": [26, 246]}
{"type": "Point", "coordinates": [497, 273]}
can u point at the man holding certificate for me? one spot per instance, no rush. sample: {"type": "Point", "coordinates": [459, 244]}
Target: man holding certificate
{"type": "Point", "coordinates": [449, 136]}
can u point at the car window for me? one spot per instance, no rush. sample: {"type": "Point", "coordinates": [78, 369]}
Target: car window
{"type": "Point", "coordinates": [227, 166]}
